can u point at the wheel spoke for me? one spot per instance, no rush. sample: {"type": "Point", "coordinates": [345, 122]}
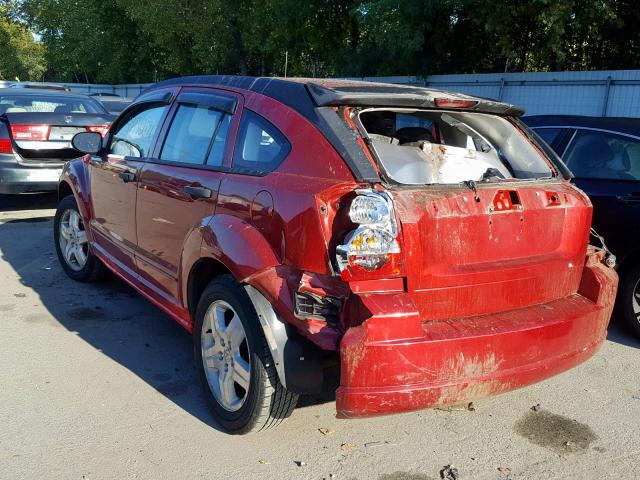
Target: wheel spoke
{"type": "Point", "coordinates": [235, 331]}
{"type": "Point", "coordinates": [208, 352]}
{"type": "Point", "coordinates": [227, 391]}
{"type": "Point", "coordinates": [74, 220]}
{"type": "Point", "coordinates": [82, 237]}
{"type": "Point", "coordinates": [69, 252]}
{"type": "Point", "coordinates": [241, 372]}
{"type": "Point", "coordinates": [81, 257]}
{"type": "Point", "coordinates": [217, 322]}
{"type": "Point", "coordinates": [65, 231]}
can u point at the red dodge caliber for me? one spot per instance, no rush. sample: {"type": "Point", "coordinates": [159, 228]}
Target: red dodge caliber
{"type": "Point", "coordinates": [425, 248]}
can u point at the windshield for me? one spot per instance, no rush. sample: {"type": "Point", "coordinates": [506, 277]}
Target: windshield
{"type": "Point", "coordinates": [419, 147]}
{"type": "Point", "coordinates": [12, 103]}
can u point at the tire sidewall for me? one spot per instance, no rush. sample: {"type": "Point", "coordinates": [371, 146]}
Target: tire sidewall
{"type": "Point", "coordinates": [246, 416]}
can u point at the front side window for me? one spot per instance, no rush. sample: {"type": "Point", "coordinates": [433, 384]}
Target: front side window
{"type": "Point", "coordinates": [135, 136]}
{"type": "Point", "coordinates": [603, 155]}
{"type": "Point", "coordinates": [195, 136]}
{"type": "Point", "coordinates": [260, 147]}
{"type": "Point", "coordinates": [422, 147]}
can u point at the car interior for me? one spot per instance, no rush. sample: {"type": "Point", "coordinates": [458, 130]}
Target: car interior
{"type": "Point", "coordinates": [430, 147]}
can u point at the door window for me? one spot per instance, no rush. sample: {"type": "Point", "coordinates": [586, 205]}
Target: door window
{"type": "Point", "coordinates": [260, 147]}
{"type": "Point", "coordinates": [603, 155]}
{"type": "Point", "coordinates": [134, 138]}
{"type": "Point", "coordinates": [197, 133]}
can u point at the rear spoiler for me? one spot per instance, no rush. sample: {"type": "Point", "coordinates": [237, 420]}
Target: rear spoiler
{"type": "Point", "coordinates": [385, 95]}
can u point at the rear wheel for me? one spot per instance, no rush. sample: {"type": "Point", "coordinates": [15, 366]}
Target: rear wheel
{"type": "Point", "coordinates": [234, 363]}
{"type": "Point", "coordinates": [630, 299]}
{"type": "Point", "coordinates": [72, 246]}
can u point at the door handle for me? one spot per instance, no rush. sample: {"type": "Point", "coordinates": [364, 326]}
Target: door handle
{"type": "Point", "coordinates": [127, 177]}
{"type": "Point", "coordinates": [197, 192]}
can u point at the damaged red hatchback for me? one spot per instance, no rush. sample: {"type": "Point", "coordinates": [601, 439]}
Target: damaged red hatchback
{"type": "Point", "coordinates": [424, 245]}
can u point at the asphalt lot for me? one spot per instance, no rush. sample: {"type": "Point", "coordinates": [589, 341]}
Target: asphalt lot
{"type": "Point", "coordinates": [97, 383]}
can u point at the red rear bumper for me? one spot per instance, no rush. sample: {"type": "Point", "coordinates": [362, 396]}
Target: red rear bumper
{"type": "Point", "coordinates": [394, 362]}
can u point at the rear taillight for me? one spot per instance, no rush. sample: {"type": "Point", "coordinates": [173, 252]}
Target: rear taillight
{"type": "Point", "coordinates": [101, 129]}
{"type": "Point", "coordinates": [5, 145]}
{"type": "Point", "coordinates": [374, 243]}
{"type": "Point", "coordinates": [34, 133]}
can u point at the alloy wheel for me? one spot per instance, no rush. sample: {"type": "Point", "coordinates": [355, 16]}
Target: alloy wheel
{"type": "Point", "coordinates": [225, 355]}
{"type": "Point", "coordinates": [73, 240]}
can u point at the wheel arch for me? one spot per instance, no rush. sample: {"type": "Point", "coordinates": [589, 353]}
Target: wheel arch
{"type": "Point", "coordinates": [74, 181]}
{"type": "Point", "coordinates": [232, 246]}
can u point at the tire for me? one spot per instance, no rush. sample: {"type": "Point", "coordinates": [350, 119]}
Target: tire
{"type": "Point", "coordinates": [238, 375]}
{"type": "Point", "coordinates": [82, 267]}
{"type": "Point", "coordinates": [630, 299]}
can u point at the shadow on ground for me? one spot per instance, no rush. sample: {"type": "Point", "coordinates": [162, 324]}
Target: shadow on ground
{"type": "Point", "coordinates": [28, 201]}
{"type": "Point", "coordinates": [109, 315]}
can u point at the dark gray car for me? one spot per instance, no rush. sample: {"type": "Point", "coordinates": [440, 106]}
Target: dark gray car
{"type": "Point", "coordinates": [36, 128]}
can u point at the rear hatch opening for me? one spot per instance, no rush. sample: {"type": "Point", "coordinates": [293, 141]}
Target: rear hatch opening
{"type": "Point", "coordinates": [426, 147]}
{"type": "Point", "coordinates": [485, 222]}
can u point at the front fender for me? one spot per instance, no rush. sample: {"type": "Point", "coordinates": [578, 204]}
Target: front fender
{"type": "Point", "coordinates": [76, 175]}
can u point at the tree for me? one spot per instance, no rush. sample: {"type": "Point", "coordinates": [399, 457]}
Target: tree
{"type": "Point", "coordinates": [89, 41]}
{"type": "Point", "coordinates": [21, 57]}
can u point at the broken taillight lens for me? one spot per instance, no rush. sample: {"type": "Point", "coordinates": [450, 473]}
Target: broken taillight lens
{"type": "Point", "coordinates": [454, 103]}
{"type": "Point", "coordinates": [374, 243]}
{"type": "Point", "coordinates": [33, 133]}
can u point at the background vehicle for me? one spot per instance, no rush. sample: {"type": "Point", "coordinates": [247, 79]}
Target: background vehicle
{"type": "Point", "coordinates": [604, 156]}
{"type": "Point", "coordinates": [115, 105]}
{"type": "Point", "coordinates": [36, 127]}
{"type": "Point", "coordinates": [105, 95]}
{"type": "Point", "coordinates": [420, 241]}
{"type": "Point", "coordinates": [40, 86]}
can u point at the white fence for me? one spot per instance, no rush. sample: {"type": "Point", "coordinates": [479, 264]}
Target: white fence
{"type": "Point", "coordinates": [613, 93]}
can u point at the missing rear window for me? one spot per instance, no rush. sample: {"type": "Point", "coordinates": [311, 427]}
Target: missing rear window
{"type": "Point", "coordinates": [418, 147]}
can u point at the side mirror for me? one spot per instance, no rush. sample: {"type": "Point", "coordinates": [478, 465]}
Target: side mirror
{"type": "Point", "coordinates": [87, 142]}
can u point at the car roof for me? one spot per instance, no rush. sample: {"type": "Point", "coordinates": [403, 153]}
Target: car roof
{"type": "Point", "coordinates": [40, 86]}
{"type": "Point", "coordinates": [618, 124]}
{"type": "Point", "coordinates": [303, 94]}
{"type": "Point", "coordinates": [39, 91]}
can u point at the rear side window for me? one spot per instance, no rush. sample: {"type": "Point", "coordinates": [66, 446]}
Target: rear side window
{"type": "Point", "coordinates": [549, 135]}
{"type": "Point", "coordinates": [603, 155]}
{"type": "Point", "coordinates": [134, 137]}
{"type": "Point", "coordinates": [261, 147]}
{"type": "Point", "coordinates": [48, 104]}
{"type": "Point", "coordinates": [197, 133]}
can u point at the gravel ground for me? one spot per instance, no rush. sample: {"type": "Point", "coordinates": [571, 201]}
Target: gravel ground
{"type": "Point", "coordinates": [96, 383]}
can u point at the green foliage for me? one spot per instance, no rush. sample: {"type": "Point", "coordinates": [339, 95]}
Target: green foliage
{"type": "Point", "coordinates": [118, 41]}
{"type": "Point", "coordinates": [21, 57]}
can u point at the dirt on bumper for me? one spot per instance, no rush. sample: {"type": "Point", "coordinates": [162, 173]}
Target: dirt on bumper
{"type": "Point", "coordinates": [387, 368]}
